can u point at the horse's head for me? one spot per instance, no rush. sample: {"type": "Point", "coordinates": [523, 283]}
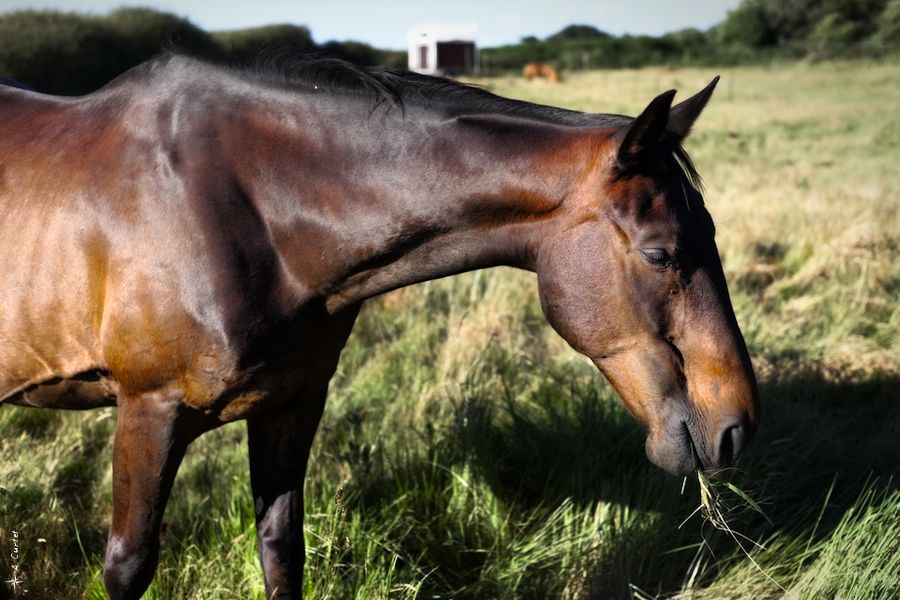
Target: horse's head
{"type": "Point", "coordinates": [631, 278]}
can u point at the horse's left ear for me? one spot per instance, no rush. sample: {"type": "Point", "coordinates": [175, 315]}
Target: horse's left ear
{"type": "Point", "coordinates": [683, 114]}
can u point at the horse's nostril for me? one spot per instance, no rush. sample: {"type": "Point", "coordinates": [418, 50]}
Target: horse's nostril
{"type": "Point", "coordinates": [732, 442]}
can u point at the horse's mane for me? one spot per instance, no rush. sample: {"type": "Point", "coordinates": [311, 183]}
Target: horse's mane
{"type": "Point", "coordinates": [395, 89]}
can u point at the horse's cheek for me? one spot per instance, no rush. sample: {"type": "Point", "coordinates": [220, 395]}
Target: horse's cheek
{"type": "Point", "coordinates": [572, 305]}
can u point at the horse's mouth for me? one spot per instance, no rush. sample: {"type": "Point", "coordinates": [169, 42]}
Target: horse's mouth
{"type": "Point", "coordinates": [695, 458]}
{"type": "Point", "coordinates": [700, 458]}
{"type": "Point", "coordinates": [682, 451]}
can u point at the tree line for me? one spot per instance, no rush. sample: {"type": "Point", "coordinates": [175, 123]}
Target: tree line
{"type": "Point", "coordinates": [70, 53]}
{"type": "Point", "coordinates": [755, 31]}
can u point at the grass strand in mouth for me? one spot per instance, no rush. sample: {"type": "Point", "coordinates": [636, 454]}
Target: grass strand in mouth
{"type": "Point", "coordinates": [712, 508]}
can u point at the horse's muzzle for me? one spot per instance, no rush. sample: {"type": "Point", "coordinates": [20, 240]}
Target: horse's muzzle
{"type": "Point", "coordinates": [681, 447]}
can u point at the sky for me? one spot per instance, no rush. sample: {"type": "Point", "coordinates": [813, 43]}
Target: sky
{"type": "Point", "coordinates": [384, 24]}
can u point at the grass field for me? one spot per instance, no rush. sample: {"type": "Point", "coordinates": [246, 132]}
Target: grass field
{"type": "Point", "coordinates": [466, 452]}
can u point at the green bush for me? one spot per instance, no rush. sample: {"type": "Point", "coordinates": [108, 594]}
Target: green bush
{"type": "Point", "coordinates": [749, 26]}
{"type": "Point", "coordinates": [833, 36]}
{"type": "Point", "coordinates": [578, 32]}
{"type": "Point", "coordinates": [147, 31]}
{"type": "Point", "coordinates": [244, 45]}
{"type": "Point", "coordinates": [394, 59]}
{"type": "Point", "coordinates": [888, 31]}
{"type": "Point", "coordinates": [823, 27]}
{"type": "Point", "coordinates": [68, 53]}
{"type": "Point", "coordinates": [60, 53]}
{"type": "Point", "coordinates": [356, 52]}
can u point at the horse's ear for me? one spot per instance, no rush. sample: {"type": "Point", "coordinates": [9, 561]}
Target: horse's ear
{"type": "Point", "coordinates": [645, 131]}
{"type": "Point", "coordinates": [683, 114]}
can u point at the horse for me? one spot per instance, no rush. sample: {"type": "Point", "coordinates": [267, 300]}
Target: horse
{"type": "Point", "coordinates": [534, 70]}
{"type": "Point", "coordinates": [192, 243]}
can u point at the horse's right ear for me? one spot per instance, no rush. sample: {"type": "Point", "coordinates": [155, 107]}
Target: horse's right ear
{"type": "Point", "coordinates": [683, 114]}
{"type": "Point", "coordinates": [645, 132]}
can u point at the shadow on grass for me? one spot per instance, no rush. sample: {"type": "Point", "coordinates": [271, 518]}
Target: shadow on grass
{"type": "Point", "coordinates": [814, 428]}
{"type": "Point", "coordinates": [824, 438]}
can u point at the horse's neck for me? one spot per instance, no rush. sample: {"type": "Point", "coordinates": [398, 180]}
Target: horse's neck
{"type": "Point", "coordinates": [389, 205]}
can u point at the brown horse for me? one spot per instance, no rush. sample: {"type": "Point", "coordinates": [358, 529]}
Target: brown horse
{"type": "Point", "coordinates": [535, 70]}
{"type": "Point", "coordinates": [193, 243]}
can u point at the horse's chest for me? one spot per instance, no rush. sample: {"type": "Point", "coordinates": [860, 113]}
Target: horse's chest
{"type": "Point", "coordinates": [282, 379]}
{"type": "Point", "coordinates": [296, 362]}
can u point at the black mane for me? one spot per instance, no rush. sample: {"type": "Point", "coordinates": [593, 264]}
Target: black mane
{"type": "Point", "coordinates": [395, 89]}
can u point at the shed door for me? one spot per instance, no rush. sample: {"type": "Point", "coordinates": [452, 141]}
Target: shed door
{"type": "Point", "coordinates": [455, 58]}
{"type": "Point", "coordinates": [423, 57]}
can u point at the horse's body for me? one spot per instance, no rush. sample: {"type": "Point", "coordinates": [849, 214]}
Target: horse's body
{"type": "Point", "coordinates": [85, 308]}
{"type": "Point", "coordinates": [193, 245]}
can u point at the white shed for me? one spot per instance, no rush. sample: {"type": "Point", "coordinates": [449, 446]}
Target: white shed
{"type": "Point", "coordinates": [440, 48]}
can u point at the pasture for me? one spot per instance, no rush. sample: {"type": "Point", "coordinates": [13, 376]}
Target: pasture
{"type": "Point", "coordinates": [467, 452]}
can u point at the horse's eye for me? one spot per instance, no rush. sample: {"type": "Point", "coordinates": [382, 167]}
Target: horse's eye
{"type": "Point", "coordinates": [658, 257]}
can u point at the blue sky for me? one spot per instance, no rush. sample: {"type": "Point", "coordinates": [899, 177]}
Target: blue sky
{"type": "Point", "coordinates": [384, 24]}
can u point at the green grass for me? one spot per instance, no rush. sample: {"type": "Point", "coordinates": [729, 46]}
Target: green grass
{"type": "Point", "coordinates": [466, 452]}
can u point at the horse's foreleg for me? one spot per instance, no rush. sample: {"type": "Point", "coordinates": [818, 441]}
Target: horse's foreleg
{"type": "Point", "coordinates": [152, 434]}
{"type": "Point", "coordinates": [279, 448]}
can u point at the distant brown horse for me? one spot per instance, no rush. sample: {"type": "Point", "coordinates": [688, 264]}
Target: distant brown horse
{"type": "Point", "coordinates": [193, 243]}
{"type": "Point", "coordinates": [540, 69]}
